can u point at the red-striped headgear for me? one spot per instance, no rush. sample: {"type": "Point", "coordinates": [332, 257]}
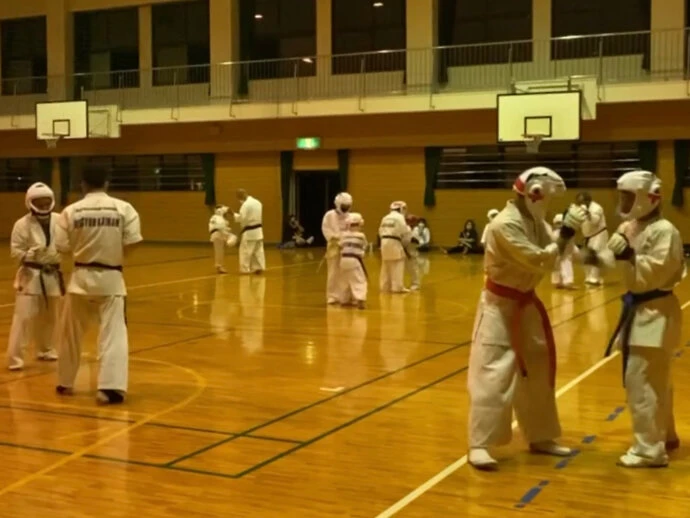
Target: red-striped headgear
{"type": "Point", "coordinates": [538, 185]}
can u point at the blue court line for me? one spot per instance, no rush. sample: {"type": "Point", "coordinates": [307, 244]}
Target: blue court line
{"type": "Point", "coordinates": [531, 494]}
{"type": "Point", "coordinates": [618, 411]}
{"type": "Point", "coordinates": [564, 462]}
{"type": "Point", "coordinates": [589, 439]}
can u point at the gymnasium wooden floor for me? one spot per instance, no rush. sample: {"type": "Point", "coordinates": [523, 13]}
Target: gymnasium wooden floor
{"type": "Point", "coordinates": [250, 398]}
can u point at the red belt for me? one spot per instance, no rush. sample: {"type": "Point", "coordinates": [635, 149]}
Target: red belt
{"type": "Point", "coordinates": [523, 300]}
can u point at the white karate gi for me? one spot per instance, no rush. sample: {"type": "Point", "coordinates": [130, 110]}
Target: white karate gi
{"type": "Point", "coordinates": [251, 253]}
{"type": "Point", "coordinates": [515, 258]}
{"type": "Point", "coordinates": [38, 291]}
{"type": "Point", "coordinates": [596, 236]}
{"type": "Point", "coordinates": [395, 235]}
{"type": "Point", "coordinates": [219, 231]}
{"type": "Point", "coordinates": [353, 276]}
{"type": "Point", "coordinates": [659, 264]}
{"type": "Point", "coordinates": [334, 223]}
{"type": "Point", "coordinates": [94, 231]}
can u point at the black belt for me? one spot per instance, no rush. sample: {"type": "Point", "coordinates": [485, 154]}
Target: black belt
{"type": "Point", "coordinates": [214, 231]}
{"type": "Point", "coordinates": [399, 240]}
{"type": "Point", "coordinates": [361, 263]}
{"type": "Point", "coordinates": [98, 266]}
{"type": "Point", "coordinates": [250, 227]}
{"type": "Point", "coordinates": [101, 266]}
{"type": "Point", "coordinates": [630, 302]}
{"type": "Point", "coordinates": [587, 238]}
{"type": "Point", "coordinates": [47, 269]}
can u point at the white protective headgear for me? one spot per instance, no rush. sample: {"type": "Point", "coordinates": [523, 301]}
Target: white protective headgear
{"type": "Point", "coordinates": [537, 186]}
{"type": "Point", "coordinates": [39, 190]}
{"type": "Point", "coordinates": [400, 206]}
{"type": "Point", "coordinates": [492, 214]}
{"type": "Point", "coordinates": [343, 199]}
{"type": "Point", "coordinates": [558, 220]}
{"type": "Point", "coordinates": [355, 219]}
{"type": "Point", "coordinates": [647, 189]}
{"type": "Point", "coordinates": [221, 210]}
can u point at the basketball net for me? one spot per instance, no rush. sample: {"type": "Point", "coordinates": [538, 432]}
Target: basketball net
{"type": "Point", "coordinates": [532, 142]}
{"type": "Point", "coordinates": [52, 142]}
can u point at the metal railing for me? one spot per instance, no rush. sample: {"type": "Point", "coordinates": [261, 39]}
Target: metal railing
{"type": "Point", "coordinates": [611, 58]}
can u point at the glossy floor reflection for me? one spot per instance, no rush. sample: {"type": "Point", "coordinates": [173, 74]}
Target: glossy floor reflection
{"type": "Point", "coordinates": [250, 398]}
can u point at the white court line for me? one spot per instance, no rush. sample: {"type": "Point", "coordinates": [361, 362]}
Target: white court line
{"type": "Point", "coordinates": [452, 468]}
{"type": "Point", "coordinates": [188, 279]}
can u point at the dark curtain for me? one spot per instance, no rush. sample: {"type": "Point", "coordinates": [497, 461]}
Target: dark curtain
{"type": "Point", "coordinates": [446, 23]}
{"type": "Point", "coordinates": [286, 167]}
{"type": "Point", "coordinates": [432, 165]}
{"type": "Point", "coordinates": [343, 168]}
{"type": "Point", "coordinates": [648, 158]}
{"type": "Point", "coordinates": [681, 149]}
{"type": "Point", "coordinates": [208, 166]}
{"type": "Point", "coordinates": [65, 181]}
{"type": "Point", "coordinates": [246, 28]}
{"type": "Point", "coordinates": [45, 171]}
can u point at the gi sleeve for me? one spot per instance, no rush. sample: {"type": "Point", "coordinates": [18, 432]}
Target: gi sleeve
{"type": "Point", "coordinates": [656, 268]}
{"type": "Point", "coordinates": [512, 239]}
{"type": "Point", "coordinates": [329, 229]}
{"type": "Point", "coordinates": [131, 230]}
{"type": "Point", "coordinates": [63, 229]}
{"type": "Point", "coordinates": [19, 244]}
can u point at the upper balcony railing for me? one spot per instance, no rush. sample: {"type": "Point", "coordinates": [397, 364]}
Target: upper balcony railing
{"type": "Point", "coordinates": [611, 58]}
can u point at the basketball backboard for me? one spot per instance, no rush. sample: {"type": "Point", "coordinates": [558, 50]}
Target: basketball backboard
{"type": "Point", "coordinates": [62, 120]}
{"type": "Point", "coordinates": [551, 115]}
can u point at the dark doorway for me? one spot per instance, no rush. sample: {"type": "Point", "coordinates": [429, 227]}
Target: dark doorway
{"type": "Point", "coordinates": [314, 195]}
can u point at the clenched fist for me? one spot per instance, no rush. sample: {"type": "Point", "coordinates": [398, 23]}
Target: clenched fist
{"type": "Point", "coordinates": [619, 245]}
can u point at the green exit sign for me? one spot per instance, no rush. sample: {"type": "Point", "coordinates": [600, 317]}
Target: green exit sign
{"type": "Point", "coordinates": [308, 143]}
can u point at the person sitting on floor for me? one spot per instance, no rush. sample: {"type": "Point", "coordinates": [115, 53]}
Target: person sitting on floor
{"type": "Point", "coordinates": [468, 240]}
{"type": "Point", "coordinates": [423, 234]}
{"type": "Point", "coordinates": [297, 233]}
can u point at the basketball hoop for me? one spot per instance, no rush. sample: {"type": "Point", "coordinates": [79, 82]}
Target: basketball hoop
{"type": "Point", "coordinates": [532, 142]}
{"type": "Point", "coordinates": [51, 139]}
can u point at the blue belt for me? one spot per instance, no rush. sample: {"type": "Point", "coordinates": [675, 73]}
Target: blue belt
{"type": "Point", "coordinates": [630, 303]}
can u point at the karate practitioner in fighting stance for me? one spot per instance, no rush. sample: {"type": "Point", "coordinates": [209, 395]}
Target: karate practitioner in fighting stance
{"type": "Point", "coordinates": [562, 277]}
{"type": "Point", "coordinates": [220, 236]}
{"type": "Point", "coordinates": [512, 359]}
{"type": "Point", "coordinates": [596, 235]}
{"type": "Point", "coordinates": [334, 223]}
{"type": "Point", "coordinates": [38, 282]}
{"type": "Point", "coordinates": [649, 250]}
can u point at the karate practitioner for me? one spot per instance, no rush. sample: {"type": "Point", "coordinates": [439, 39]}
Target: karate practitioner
{"type": "Point", "coordinates": [95, 231]}
{"type": "Point", "coordinates": [512, 359]}
{"type": "Point", "coordinates": [490, 216]}
{"type": "Point", "coordinates": [334, 223]}
{"type": "Point", "coordinates": [412, 253]}
{"type": "Point", "coordinates": [650, 251]}
{"type": "Point", "coordinates": [395, 236]}
{"type": "Point", "coordinates": [596, 235]}
{"type": "Point", "coordinates": [562, 276]}
{"type": "Point", "coordinates": [353, 273]}
{"type": "Point", "coordinates": [250, 218]}
{"type": "Point", "coordinates": [220, 236]}
{"type": "Point", "coordinates": [38, 282]}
